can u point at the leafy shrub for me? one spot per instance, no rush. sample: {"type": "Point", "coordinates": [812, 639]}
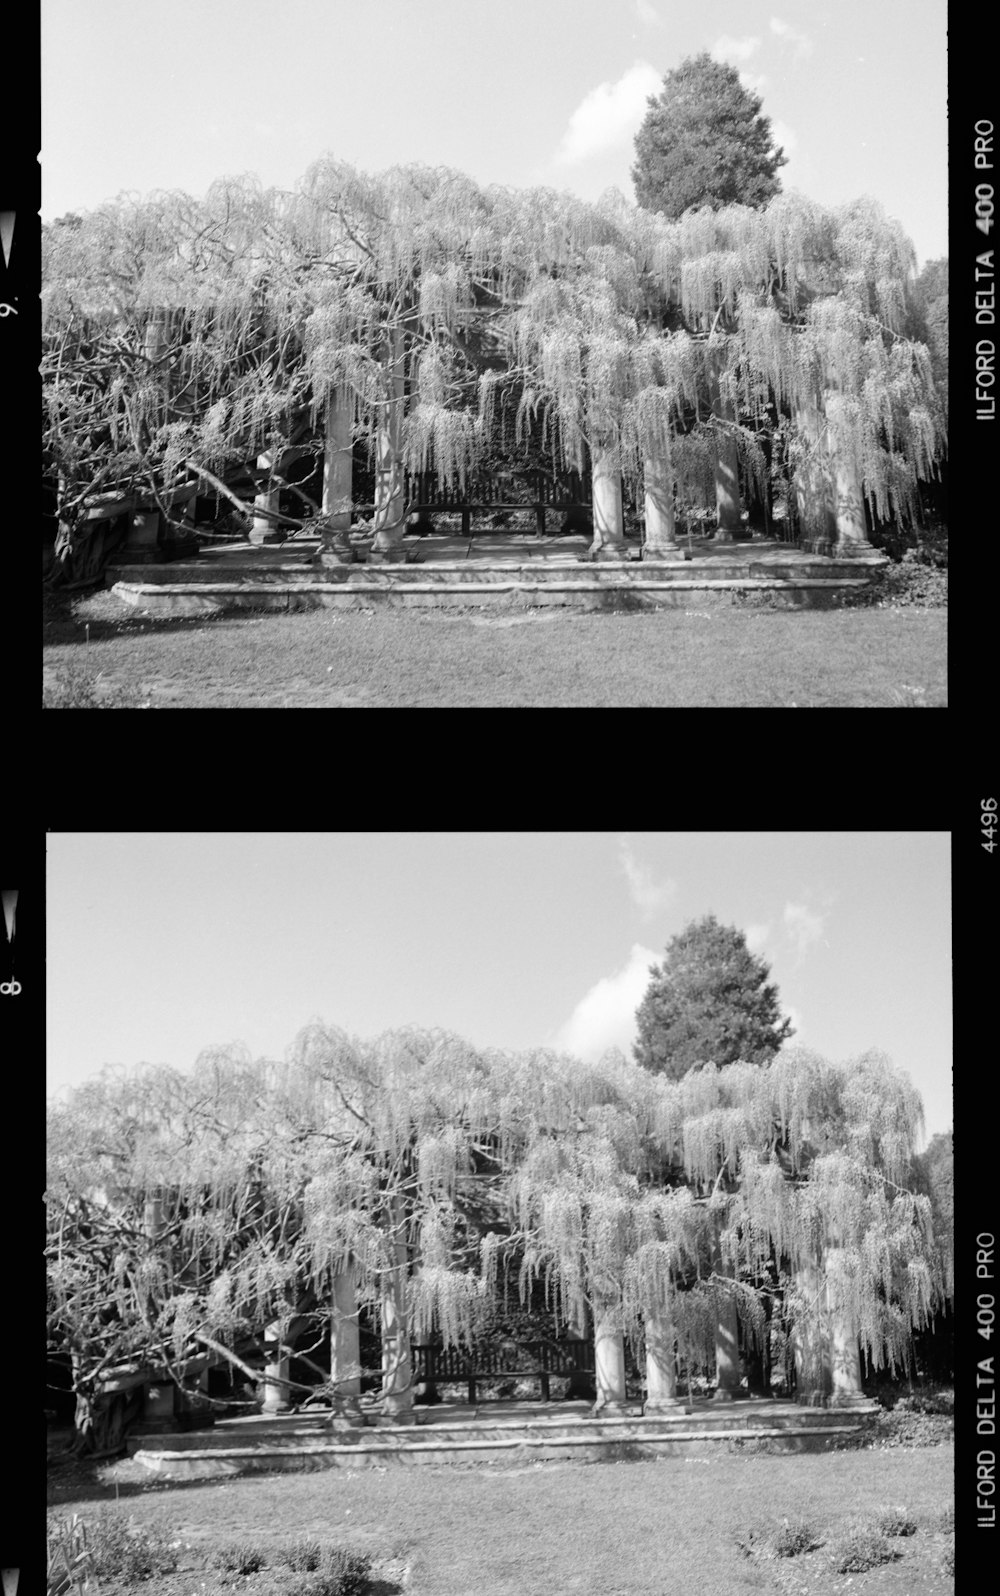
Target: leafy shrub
{"type": "Point", "coordinates": [241, 1558]}
{"type": "Point", "coordinates": [860, 1547]}
{"type": "Point", "coordinates": [946, 1519]}
{"type": "Point", "coordinates": [348, 1573]}
{"type": "Point", "coordinates": [303, 1556]}
{"type": "Point", "coordinates": [948, 1560]}
{"type": "Point", "coordinates": [789, 1539]}
{"type": "Point", "coordinates": [907, 585]}
{"type": "Point", "coordinates": [793, 1538]}
{"type": "Point", "coordinates": [68, 1556]}
{"type": "Point", "coordinates": [110, 1547]}
{"type": "Point", "coordinates": [76, 688]}
{"type": "Point", "coordinates": [895, 1521]}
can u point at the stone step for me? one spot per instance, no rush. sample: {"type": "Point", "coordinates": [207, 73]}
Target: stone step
{"type": "Point", "coordinates": [406, 589]}
{"type": "Point", "coordinates": [551, 569]}
{"type": "Point", "coordinates": [248, 1446]}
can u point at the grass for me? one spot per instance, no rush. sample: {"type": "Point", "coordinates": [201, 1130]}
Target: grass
{"type": "Point", "coordinates": [713, 658]}
{"type": "Point", "coordinates": [608, 1529]}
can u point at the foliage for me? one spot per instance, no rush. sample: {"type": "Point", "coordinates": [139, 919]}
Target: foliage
{"type": "Point", "coordinates": [185, 336]}
{"type": "Point", "coordinates": [704, 142]}
{"type": "Point", "coordinates": [894, 1520]}
{"type": "Point", "coordinates": [76, 687]}
{"type": "Point", "coordinates": [110, 1546]}
{"type": "Point", "coordinates": [935, 1176]}
{"type": "Point", "coordinates": [709, 1001]}
{"type": "Point", "coordinates": [860, 1547]}
{"type": "Point", "coordinates": [929, 311]}
{"type": "Point", "coordinates": [303, 1555]}
{"type": "Point", "coordinates": [348, 1573]}
{"type": "Point", "coordinates": [240, 1558]}
{"type": "Point", "coordinates": [189, 1212]}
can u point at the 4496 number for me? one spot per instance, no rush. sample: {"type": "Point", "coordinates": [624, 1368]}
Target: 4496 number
{"type": "Point", "coordinates": [988, 817]}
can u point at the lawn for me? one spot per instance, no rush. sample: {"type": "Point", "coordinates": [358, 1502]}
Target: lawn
{"type": "Point", "coordinates": [695, 1527]}
{"type": "Point", "coordinates": [722, 657]}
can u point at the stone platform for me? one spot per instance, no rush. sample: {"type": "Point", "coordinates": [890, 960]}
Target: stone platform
{"type": "Point", "coordinates": [511, 568]}
{"type": "Point", "coordinates": [498, 1432]}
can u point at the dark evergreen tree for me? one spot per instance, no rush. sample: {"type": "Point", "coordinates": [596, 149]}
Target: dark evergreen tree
{"type": "Point", "coordinates": [709, 1001]}
{"type": "Point", "coordinates": [704, 142]}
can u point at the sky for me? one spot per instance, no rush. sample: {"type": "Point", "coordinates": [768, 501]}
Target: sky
{"type": "Point", "coordinates": [516, 92]}
{"type": "Point", "coordinates": [160, 945]}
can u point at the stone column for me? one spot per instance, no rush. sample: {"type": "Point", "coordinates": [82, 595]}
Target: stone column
{"type": "Point", "coordinates": [397, 1368]}
{"type": "Point", "coordinates": [609, 524]}
{"type": "Point", "coordinates": [810, 1339]}
{"type": "Point", "coordinates": [813, 484]}
{"type": "Point", "coordinates": [727, 473]}
{"type": "Point", "coordinates": [276, 1366]}
{"type": "Point", "coordinates": [661, 1372]}
{"type": "Point", "coordinates": [338, 462]}
{"type": "Point", "coordinates": [345, 1355]}
{"type": "Point", "coordinates": [262, 529]}
{"type": "Point", "coordinates": [727, 1348]}
{"type": "Point", "coordinates": [844, 1355]}
{"type": "Point", "coordinates": [390, 521]}
{"type": "Point", "coordinates": [849, 503]}
{"type": "Point", "coordinates": [661, 533]}
{"type": "Point", "coordinates": [609, 1360]}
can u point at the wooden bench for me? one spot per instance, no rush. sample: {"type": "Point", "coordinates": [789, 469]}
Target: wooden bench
{"type": "Point", "coordinates": [539, 1360]}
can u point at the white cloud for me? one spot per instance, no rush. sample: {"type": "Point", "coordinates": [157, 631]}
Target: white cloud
{"type": "Point", "coordinates": [803, 44]}
{"type": "Point", "coordinates": [605, 1016]}
{"type": "Point", "coordinates": [788, 1012]}
{"type": "Point", "coordinates": [649, 896]}
{"type": "Point", "coordinates": [803, 927]}
{"type": "Point", "coordinates": [757, 936]}
{"type": "Point", "coordinates": [609, 115]}
{"type": "Point", "coordinates": [729, 49]}
{"type": "Point", "coordinates": [646, 13]}
{"type": "Point", "coordinates": [783, 137]}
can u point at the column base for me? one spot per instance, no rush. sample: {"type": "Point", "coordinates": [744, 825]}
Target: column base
{"type": "Point", "coordinates": [726, 1396]}
{"type": "Point", "coordinates": [610, 551]}
{"type": "Point", "coordinates": [661, 551]}
{"type": "Point", "coordinates": [392, 556]}
{"type": "Point", "coordinates": [609, 1410]}
{"type": "Point", "coordinates": [849, 1399]}
{"type": "Point", "coordinates": [333, 556]}
{"type": "Point", "coordinates": [846, 551]}
{"type": "Point", "coordinates": [270, 536]}
{"type": "Point", "coordinates": [663, 1405]}
{"type": "Point", "coordinates": [347, 1419]}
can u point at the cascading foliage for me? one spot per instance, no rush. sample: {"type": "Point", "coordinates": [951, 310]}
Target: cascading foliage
{"type": "Point", "coordinates": [179, 330]}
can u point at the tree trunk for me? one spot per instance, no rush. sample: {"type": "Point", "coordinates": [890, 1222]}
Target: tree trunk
{"type": "Point", "coordinates": [661, 533]}
{"type": "Point", "coordinates": [390, 508]}
{"type": "Point", "coordinates": [609, 535]}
